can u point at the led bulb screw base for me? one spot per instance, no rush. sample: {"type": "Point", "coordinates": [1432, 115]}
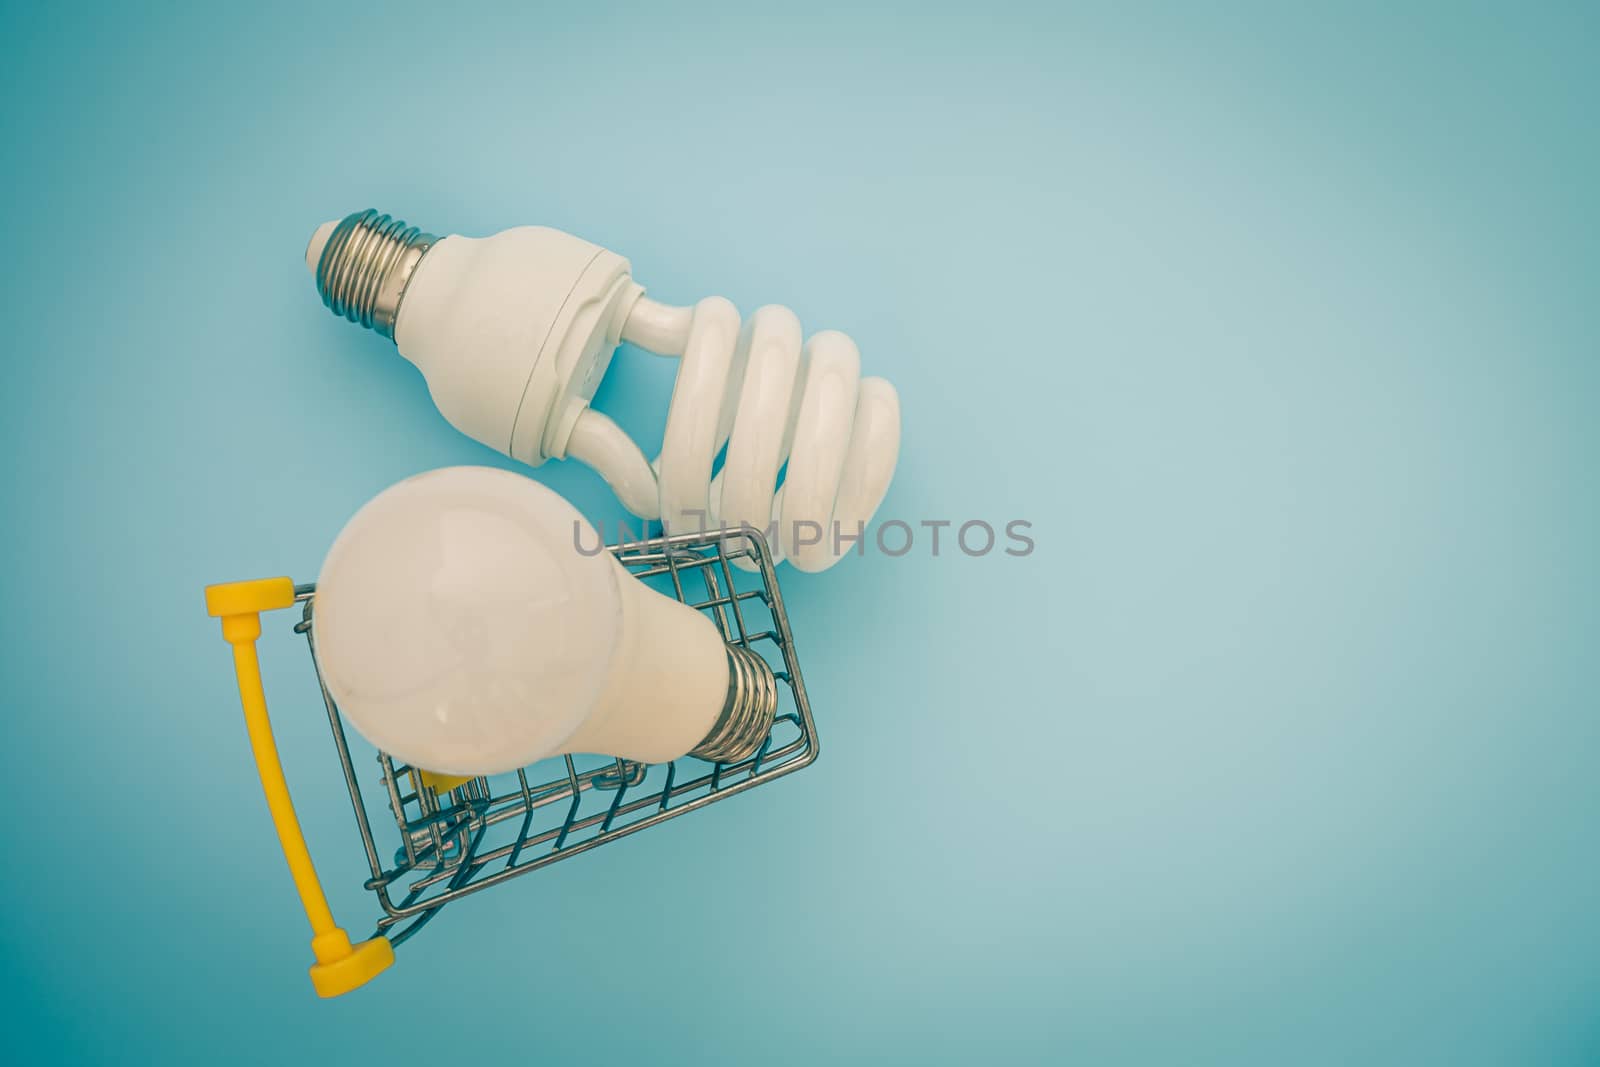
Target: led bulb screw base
{"type": "Point", "coordinates": [363, 266]}
{"type": "Point", "coordinates": [747, 716]}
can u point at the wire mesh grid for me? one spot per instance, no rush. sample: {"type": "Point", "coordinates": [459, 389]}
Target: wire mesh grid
{"type": "Point", "coordinates": [426, 849]}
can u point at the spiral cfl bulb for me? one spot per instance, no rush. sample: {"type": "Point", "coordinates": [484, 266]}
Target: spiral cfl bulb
{"type": "Point", "coordinates": [460, 628]}
{"type": "Point", "coordinates": [514, 333]}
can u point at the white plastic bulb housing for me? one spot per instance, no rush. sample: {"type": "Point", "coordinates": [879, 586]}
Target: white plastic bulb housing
{"type": "Point", "coordinates": [459, 627]}
{"type": "Point", "coordinates": [514, 332]}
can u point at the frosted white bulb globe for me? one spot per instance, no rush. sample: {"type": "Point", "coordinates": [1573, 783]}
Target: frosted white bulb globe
{"type": "Point", "coordinates": [459, 628]}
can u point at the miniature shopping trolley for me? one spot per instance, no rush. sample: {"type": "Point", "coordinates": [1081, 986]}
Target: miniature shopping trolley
{"type": "Point", "coordinates": [431, 839]}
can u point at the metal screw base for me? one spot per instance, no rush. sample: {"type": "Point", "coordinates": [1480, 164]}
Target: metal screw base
{"type": "Point", "coordinates": [365, 266]}
{"type": "Point", "coordinates": [747, 716]}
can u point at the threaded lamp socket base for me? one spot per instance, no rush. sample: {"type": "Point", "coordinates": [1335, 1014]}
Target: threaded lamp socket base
{"type": "Point", "coordinates": [365, 266]}
{"type": "Point", "coordinates": [747, 716]}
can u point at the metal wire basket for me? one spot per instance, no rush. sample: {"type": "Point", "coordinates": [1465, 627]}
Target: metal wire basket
{"type": "Point", "coordinates": [431, 839]}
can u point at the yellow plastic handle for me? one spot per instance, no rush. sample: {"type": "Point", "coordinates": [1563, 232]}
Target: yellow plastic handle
{"type": "Point", "coordinates": [340, 966]}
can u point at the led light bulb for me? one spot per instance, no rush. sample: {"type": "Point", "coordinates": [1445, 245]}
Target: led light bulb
{"type": "Point", "coordinates": [460, 628]}
{"type": "Point", "coordinates": [514, 332]}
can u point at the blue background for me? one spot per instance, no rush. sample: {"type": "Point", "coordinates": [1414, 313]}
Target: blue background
{"type": "Point", "coordinates": [1279, 327]}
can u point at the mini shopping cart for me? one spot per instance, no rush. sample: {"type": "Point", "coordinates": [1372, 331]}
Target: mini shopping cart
{"type": "Point", "coordinates": [431, 839]}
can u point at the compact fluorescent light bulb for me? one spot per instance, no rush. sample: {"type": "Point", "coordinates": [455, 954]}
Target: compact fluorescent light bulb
{"type": "Point", "coordinates": [459, 628]}
{"type": "Point", "coordinates": [514, 332]}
